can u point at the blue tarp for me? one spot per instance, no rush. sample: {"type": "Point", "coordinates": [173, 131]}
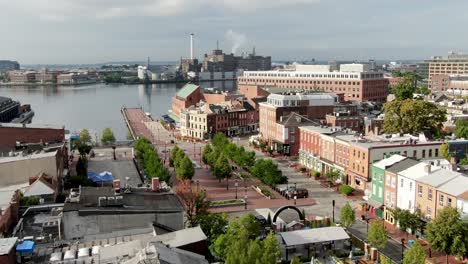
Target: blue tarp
{"type": "Point", "coordinates": [168, 118]}
{"type": "Point", "coordinates": [26, 246]}
{"type": "Point", "coordinates": [100, 177]}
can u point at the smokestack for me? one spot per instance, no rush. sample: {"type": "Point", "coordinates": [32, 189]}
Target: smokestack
{"type": "Point", "coordinates": [191, 46]}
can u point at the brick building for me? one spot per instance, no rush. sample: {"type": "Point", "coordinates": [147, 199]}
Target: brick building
{"type": "Point", "coordinates": [189, 95]}
{"type": "Point", "coordinates": [356, 86]}
{"type": "Point", "coordinates": [12, 134]}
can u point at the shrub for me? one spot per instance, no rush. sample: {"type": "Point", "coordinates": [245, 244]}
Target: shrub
{"type": "Point", "coordinates": [358, 252]}
{"type": "Point", "coordinates": [346, 189]}
{"type": "Point", "coordinates": [302, 169]}
{"type": "Point", "coordinates": [316, 174]}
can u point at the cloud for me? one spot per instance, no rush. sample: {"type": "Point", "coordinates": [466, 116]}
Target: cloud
{"type": "Point", "coordinates": [60, 10]}
{"type": "Point", "coordinates": [236, 39]}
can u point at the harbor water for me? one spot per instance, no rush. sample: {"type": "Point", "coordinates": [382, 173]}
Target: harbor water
{"type": "Point", "coordinates": [97, 106]}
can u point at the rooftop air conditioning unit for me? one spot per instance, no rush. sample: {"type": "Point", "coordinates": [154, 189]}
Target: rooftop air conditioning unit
{"type": "Point", "coordinates": [102, 201]}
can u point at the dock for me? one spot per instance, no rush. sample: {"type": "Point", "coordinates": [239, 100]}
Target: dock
{"type": "Point", "coordinates": [141, 125]}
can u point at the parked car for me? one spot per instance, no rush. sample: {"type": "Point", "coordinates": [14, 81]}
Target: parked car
{"type": "Point", "coordinates": [299, 193]}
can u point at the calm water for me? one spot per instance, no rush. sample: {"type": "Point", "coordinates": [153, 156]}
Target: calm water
{"type": "Point", "coordinates": [96, 106]}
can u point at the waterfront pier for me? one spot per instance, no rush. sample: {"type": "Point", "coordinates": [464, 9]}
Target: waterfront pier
{"type": "Point", "coordinates": [141, 125]}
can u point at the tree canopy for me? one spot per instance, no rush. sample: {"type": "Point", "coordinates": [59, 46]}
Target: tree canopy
{"type": "Point", "coordinates": [107, 136]}
{"type": "Point", "coordinates": [377, 235]}
{"type": "Point", "coordinates": [267, 171]}
{"type": "Point", "coordinates": [461, 128]}
{"type": "Point", "coordinates": [194, 201]}
{"type": "Point", "coordinates": [222, 169]}
{"type": "Point", "coordinates": [85, 137]}
{"type": "Point", "coordinates": [149, 159]}
{"type": "Point", "coordinates": [445, 152]}
{"type": "Point", "coordinates": [185, 170]}
{"type": "Point", "coordinates": [447, 233]}
{"type": "Point", "coordinates": [412, 116]}
{"type": "Point", "coordinates": [347, 216]}
{"type": "Point", "coordinates": [403, 90]}
{"type": "Point", "coordinates": [239, 244]}
{"type": "Point", "coordinates": [415, 254]}
{"type": "Point", "coordinates": [406, 219]}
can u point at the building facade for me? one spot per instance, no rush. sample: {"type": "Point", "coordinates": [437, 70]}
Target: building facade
{"type": "Point", "coordinates": [356, 86]}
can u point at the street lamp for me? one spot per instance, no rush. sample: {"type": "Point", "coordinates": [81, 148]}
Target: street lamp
{"type": "Point", "coordinates": [235, 184]}
{"type": "Point", "coordinates": [402, 249]}
{"type": "Point", "coordinates": [245, 204]}
{"type": "Point", "coordinates": [333, 211]}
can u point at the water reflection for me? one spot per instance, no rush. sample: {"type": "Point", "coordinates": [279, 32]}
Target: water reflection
{"type": "Point", "coordinates": [97, 106]}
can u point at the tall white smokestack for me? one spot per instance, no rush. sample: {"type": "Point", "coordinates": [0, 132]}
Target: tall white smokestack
{"type": "Point", "coordinates": [191, 46]}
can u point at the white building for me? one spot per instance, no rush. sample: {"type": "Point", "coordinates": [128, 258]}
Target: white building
{"type": "Point", "coordinates": [406, 184]}
{"type": "Point", "coordinates": [194, 123]}
{"type": "Point", "coordinates": [354, 67]}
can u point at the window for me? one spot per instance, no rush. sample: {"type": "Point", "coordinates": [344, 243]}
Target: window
{"type": "Point", "coordinates": [393, 182]}
{"type": "Point", "coordinates": [420, 190]}
{"type": "Point", "coordinates": [436, 152]}
{"type": "Point", "coordinates": [429, 212]}
{"type": "Point", "coordinates": [449, 201]}
{"type": "Point", "coordinates": [410, 186]}
{"type": "Point", "coordinates": [429, 195]}
{"type": "Point", "coordinates": [423, 153]}
{"type": "Point", "coordinates": [401, 183]}
{"type": "Point", "coordinates": [430, 153]}
{"type": "Point", "coordinates": [415, 153]}
{"type": "Point", "coordinates": [441, 200]}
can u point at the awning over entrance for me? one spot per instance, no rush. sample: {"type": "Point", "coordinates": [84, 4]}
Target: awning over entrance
{"type": "Point", "coordinates": [374, 203]}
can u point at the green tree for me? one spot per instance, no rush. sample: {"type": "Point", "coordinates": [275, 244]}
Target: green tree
{"type": "Point", "coordinates": [271, 250]}
{"type": "Point", "coordinates": [377, 235]}
{"type": "Point", "coordinates": [107, 136]}
{"type": "Point", "coordinates": [185, 169]}
{"type": "Point", "coordinates": [224, 242]}
{"type": "Point", "coordinates": [239, 249]}
{"type": "Point", "coordinates": [174, 152]}
{"type": "Point", "coordinates": [463, 161]}
{"type": "Point", "coordinates": [85, 137]}
{"type": "Point", "coordinates": [220, 141]}
{"type": "Point", "coordinates": [461, 128]}
{"type": "Point", "coordinates": [415, 254]}
{"type": "Point", "coordinates": [268, 221]}
{"type": "Point", "coordinates": [296, 260]}
{"type": "Point", "coordinates": [403, 90]}
{"type": "Point", "coordinates": [412, 116]}
{"type": "Point", "coordinates": [406, 220]}
{"type": "Point", "coordinates": [445, 152]}
{"type": "Point", "coordinates": [267, 171]}
{"type": "Point", "coordinates": [423, 90]}
{"type": "Point", "coordinates": [447, 233]}
{"type": "Point", "coordinates": [222, 169]}
{"type": "Point", "coordinates": [207, 150]}
{"type": "Point", "coordinates": [347, 216]}
{"type": "Point", "coordinates": [212, 224]}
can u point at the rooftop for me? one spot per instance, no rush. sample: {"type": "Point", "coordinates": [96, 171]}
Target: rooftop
{"type": "Point", "coordinates": [182, 237]}
{"type": "Point", "coordinates": [402, 165]}
{"type": "Point", "coordinates": [295, 119]}
{"type": "Point", "coordinates": [457, 186]}
{"type": "Point", "coordinates": [383, 164]}
{"type": "Point", "coordinates": [41, 126]}
{"type": "Point", "coordinates": [188, 89]}
{"type": "Point", "coordinates": [315, 235]}
{"type": "Point", "coordinates": [41, 155]}
{"type": "Point", "coordinates": [7, 244]}
{"type": "Point", "coordinates": [177, 256]}
{"type": "Point", "coordinates": [136, 201]}
{"type": "Point", "coordinates": [439, 177]}
{"type": "Point", "coordinates": [7, 192]}
{"type": "Point", "coordinates": [120, 169]}
{"type": "Point", "coordinates": [417, 171]}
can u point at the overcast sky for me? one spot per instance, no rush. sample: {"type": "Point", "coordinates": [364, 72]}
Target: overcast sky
{"type": "Point", "coordinates": [93, 31]}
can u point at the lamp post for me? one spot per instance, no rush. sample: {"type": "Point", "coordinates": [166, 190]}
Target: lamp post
{"type": "Point", "coordinates": [235, 184]}
{"type": "Point", "coordinates": [333, 210]}
{"type": "Point", "coordinates": [402, 249]}
{"type": "Point", "coordinates": [245, 204]}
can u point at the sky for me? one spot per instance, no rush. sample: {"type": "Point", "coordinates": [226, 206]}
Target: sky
{"type": "Point", "coordinates": [96, 31]}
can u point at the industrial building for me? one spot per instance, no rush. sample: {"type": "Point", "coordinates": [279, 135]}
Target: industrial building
{"type": "Point", "coordinates": [7, 65]}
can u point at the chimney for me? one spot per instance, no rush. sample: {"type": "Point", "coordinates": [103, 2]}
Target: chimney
{"type": "Point", "coordinates": [191, 46]}
{"type": "Point", "coordinates": [453, 164]}
{"type": "Point", "coordinates": [116, 185]}
{"type": "Point", "coordinates": [154, 184]}
{"type": "Point", "coordinates": [427, 168]}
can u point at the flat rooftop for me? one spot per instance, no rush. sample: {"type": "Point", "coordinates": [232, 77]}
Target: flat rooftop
{"type": "Point", "coordinates": [136, 201]}
{"type": "Point", "coordinates": [315, 235]}
{"type": "Point", "coordinates": [120, 169]}
{"type": "Point", "coordinates": [40, 126]}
